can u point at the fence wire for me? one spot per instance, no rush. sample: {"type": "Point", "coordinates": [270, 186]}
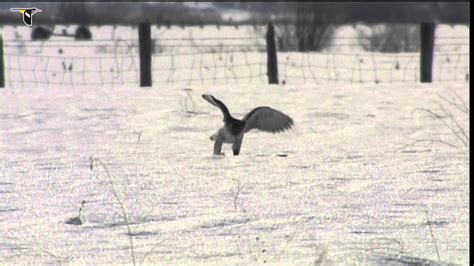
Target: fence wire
{"type": "Point", "coordinates": [347, 67]}
{"type": "Point", "coordinates": [215, 68]}
{"type": "Point", "coordinates": [345, 61]}
{"type": "Point", "coordinates": [52, 63]}
{"type": "Point", "coordinates": [221, 60]}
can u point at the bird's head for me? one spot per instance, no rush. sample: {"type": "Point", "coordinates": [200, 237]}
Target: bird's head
{"type": "Point", "coordinates": [35, 10]}
{"type": "Point", "coordinates": [210, 99]}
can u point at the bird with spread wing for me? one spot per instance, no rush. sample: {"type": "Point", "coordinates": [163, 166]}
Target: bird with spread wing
{"type": "Point", "coordinates": [262, 118]}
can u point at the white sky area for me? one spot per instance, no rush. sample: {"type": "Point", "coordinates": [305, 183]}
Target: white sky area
{"type": "Point", "coordinates": [235, 15]}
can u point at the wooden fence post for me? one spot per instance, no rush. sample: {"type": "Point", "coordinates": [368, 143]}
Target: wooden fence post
{"type": "Point", "coordinates": [427, 34]}
{"type": "Point", "coordinates": [2, 65]}
{"type": "Point", "coordinates": [272, 62]}
{"type": "Point", "coordinates": [144, 39]}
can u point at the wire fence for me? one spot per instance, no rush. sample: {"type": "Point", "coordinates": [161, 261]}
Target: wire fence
{"type": "Point", "coordinates": [68, 63]}
{"type": "Point", "coordinates": [345, 60]}
{"type": "Point", "coordinates": [451, 67]}
{"type": "Point", "coordinates": [215, 68]}
{"type": "Point", "coordinates": [221, 60]}
{"type": "Point", "coordinates": [210, 60]}
{"type": "Point", "coordinates": [348, 67]}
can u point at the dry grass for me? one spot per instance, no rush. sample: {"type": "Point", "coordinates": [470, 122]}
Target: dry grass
{"type": "Point", "coordinates": [432, 235]}
{"type": "Point", "coordinates": [119, 201]}
{"type": "Point", "coordinates": [453, 113]}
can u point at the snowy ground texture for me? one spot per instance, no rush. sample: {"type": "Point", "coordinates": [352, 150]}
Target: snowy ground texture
{"type": "Point", "coordinates": [339, 188]}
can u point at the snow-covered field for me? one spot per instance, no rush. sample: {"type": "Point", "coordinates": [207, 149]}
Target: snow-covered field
{"type": "Point", "coordinates": [344, 186]}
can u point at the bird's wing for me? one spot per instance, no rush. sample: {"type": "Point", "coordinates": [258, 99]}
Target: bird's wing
{"type": "Point", "coordinates": [267, 119]}
{"type": "Point", "coordinates": [212, 100]}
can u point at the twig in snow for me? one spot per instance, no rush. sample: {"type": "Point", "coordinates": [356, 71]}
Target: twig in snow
{"type": "Point", "coordinates": [189, 97]}
{"type": "Point", "coordinates": [237, 193]}
{"type": "Point", "coordinates": [425, 140]}
{"type": "Point", "coordinates": [453, 130]}
{"type": "Point", "coordinates": [432, 235]}
{"type": "Point", "coordinates": [454, 122]}
{"type": "Point", "coordinates": [150, 251]}
{"type": "Point", "coordinates": [138, 141]}
{"type": "Point", "coordinates": [461, 107]}
{"type": "Point", "coordinates": [114, 191]}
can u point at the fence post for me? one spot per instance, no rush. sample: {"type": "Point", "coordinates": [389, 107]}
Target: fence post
{"type": "Point", "coordinates": [272, 62]}
{"type": "Point", "coordinates": [427, 34]}
{"type": "Point", "coordinates": [2, 65]}
{"type": "Point", "coordinates": [144, 39]}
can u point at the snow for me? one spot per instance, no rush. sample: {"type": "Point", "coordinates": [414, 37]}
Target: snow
{"type": "Point", "coordinates": [342, 187]}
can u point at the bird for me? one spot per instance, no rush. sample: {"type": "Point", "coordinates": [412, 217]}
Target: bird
{"type": "Point", "coordinates": [262, 118]}
{"type": "Point", "coordinates": [78, 219]}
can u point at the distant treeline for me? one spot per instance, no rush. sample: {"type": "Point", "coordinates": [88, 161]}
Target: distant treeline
{"type": "Point", "coordinates": [100, 13]}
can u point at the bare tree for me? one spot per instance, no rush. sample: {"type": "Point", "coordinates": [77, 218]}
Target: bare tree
{"type": "Point", "coordinates": [391, 38]}
{"type": "Point", "coordinates": [312, 30]}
